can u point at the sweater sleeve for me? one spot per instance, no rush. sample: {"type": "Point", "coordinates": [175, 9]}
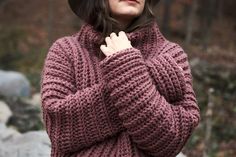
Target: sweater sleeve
{"type": "Point", "coordinates": [73, 118]}
{"type": "Point", "coordinates": [166, 72]}
{"type": "Point", "coordinates": [158, 127]}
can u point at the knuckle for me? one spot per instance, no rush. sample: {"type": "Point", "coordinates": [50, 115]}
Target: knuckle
{"type": "Point", "coordinates": [112, 34]}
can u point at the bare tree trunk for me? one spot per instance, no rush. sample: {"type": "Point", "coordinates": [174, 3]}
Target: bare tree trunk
{"type": "Point", "coordinates": [190, 22]}
{"type": "Point", "coordinates": [208, 14]}
{"type": "Point", "coordinates": [50, 22]}
{"type": "Point", "coordinates": [209, 114]}
{"type": "Point", "coordinates": [220, 6]}
{"type": "Point", "coordinates": [3, 3]}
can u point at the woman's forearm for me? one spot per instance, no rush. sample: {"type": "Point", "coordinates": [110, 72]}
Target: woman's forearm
{"type": "Point", "coordinates": [73, 119]}
{"type": "Point", "coordinates": [157, 126]}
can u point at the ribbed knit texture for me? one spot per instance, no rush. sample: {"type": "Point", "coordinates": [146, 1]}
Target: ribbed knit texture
{"type": "Point", "coordinates": [138, 102]}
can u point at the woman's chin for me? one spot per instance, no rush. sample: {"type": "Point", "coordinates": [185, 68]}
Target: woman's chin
{"type": "Point", "coordinates": [129, 13]}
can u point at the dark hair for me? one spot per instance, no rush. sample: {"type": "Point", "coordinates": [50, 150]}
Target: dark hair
{"type": "Point", "coordinates": [97, 14]}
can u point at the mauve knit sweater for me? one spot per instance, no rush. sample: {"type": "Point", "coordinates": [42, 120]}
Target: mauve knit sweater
{"type": "Point", "coordinates": [138, 102]}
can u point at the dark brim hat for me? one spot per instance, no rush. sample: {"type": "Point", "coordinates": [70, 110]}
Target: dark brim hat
{"type": "Point", "coordinates": [77, 5]}
{"type": "Point", "coordinates": [74, 5]}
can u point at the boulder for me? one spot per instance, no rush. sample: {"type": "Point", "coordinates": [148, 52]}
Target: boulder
{"type": "Point", "coordinates": [181, 155]}
{"type": "Point", "coordinates": [30, 144]}
{"type": "Point", "coordinates": [35, 100]}
{"type": "Point", "coordinates": [7, 133]}
{"type": "Point", "coordinates": [14, 84]}
{"type": "Point", "coordinates": [5, 112]}
{"type": "Point", "coordinates": [26, 117]}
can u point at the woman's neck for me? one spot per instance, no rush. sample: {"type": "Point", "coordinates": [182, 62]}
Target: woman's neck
{"type": "Point", "coordinates": [123, 22]}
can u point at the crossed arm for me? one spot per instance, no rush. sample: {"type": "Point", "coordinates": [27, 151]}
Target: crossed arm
{"type": "Point", "coordinates": [155, 101]}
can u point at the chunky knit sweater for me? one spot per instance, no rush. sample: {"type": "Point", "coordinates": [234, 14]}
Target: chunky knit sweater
{"type": "Point", "coordinates": [138, 102]}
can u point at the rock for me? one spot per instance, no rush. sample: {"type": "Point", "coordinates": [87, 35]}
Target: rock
{"type": "Point", "coordinates": [30, 144]}
{"type": "Point", "coordinates": [35, 100]}
{"type": "Point", "coordinates": [181, 155]}
{"type": "Point", "coordinates": [5, 112]}
{"type": "Point", "coordinates": [26, 117]}
{"type": "Point", "coordinates": [7, 133]}
{"type": "Point", "coordinates": [14, 84]}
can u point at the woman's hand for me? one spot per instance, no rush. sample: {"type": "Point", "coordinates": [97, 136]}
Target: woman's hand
{"type": "Point", "coordinates": [115, 43]}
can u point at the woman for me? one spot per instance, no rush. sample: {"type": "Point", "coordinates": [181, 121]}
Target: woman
{"type": "Point", "coordinates": [109, 93]}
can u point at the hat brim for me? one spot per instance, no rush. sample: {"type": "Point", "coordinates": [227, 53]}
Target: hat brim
{"type": "Point", "coordinates": [74, 6]}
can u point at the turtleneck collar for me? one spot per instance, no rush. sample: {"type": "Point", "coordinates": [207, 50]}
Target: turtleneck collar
{"type": "Point", "coordinates": [147, 39]}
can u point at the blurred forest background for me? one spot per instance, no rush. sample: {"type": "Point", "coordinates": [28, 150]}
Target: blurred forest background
{"type": "Point", "coordinates": [205, 28]}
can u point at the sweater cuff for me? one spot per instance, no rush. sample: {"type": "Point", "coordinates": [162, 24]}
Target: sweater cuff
{"type": "Point", "coordinates": [168, 76]}
{"type": "Point", "coordinates": [120, 62]}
